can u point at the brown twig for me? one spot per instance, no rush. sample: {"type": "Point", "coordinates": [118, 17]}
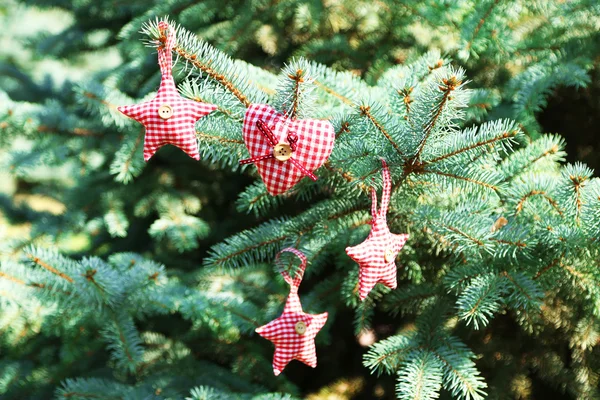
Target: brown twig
{"type": "Point", "coordinates": [50, 268]}
{"type": "Point", "coordinates": [220, 78]}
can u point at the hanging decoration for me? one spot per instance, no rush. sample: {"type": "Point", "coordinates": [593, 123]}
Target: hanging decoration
{"type": "Point", "coordinates": [284, 149]}
{"type": "Point", "coordinates": [293, 333]}
{"type": "Point", "coordinates": [168, 118]}
{"type": "Point", "coordinates": [376, 256]}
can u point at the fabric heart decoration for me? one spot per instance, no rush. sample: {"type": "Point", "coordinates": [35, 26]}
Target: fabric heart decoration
{"type": "Point", "coordinates": [283, 149]}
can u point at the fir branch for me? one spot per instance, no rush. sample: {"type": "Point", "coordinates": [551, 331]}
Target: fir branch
{"type": "Point", "coordinates": [525, 293]}
{"type": "Point", "coordinates": [577, 183]}
{"type": "Point", "coordinates": [420, 378]}
{"type": "Point", "coordinates": [465, 235]}
{"type": "Point", "coordinates": [12, 278]}
{"type": "Point", "coordinates": [552, 150]}
{"type": "Point", "coordinates": [124, 164]}
{"type": "Point", "coordinates": [409, 298]}
{"type": "Point", "coordinates": [460, 377]}
{"type": "Point", "coordinates": [463, 178]}
{"type": "Point", "coordinates": [518, 243]}
{"type": "Point", "coordinates": [448, 86]}
{"type": "Point", "coordinates": [347, 177]}
{"type": "Point", "coordinates": [584, 281]}
{"type": "Point", "coordinates": [481, 22]}
{"type": "Point", "coordinates": [366, 111]}
{"type": "Point", "coordinates": [75, 131]}
{"type": "Point", "coordinates": [332, 92]}
{"type": "Point", "coordinates": [363, 315]}
{"type": "Point", "coordinates": [220, 78]}
{"type": "Point", "coordinates": [344, 128]}
{"type": "Point", "coordinates": [95, 97]}
{"type": "Point", "coordinates": [387, 355]}
{"type": "Point", "coordinates": [548, 267]}
{"type": "Point", "coordinates": [219, 139]}
{"type": "Point", "coordinates": [502, 136]}
{"type": "Point", "coordinates": [235, 312]}
{"type": "Point", "coordinates": [50, 268]}
{"type": "Point", "coordinates": [480, 300]}
{"type": "Point", "coordinates": [123, 341]}
{"type": "Point", "coordinates": [542, 193]}
{"type": "Point", "coordinates": [93, 388]}
{"type": "Point", "coordinates": [224, 259]}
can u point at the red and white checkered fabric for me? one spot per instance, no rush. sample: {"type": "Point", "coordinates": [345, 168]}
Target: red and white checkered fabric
{"type": "Point", "coordinates": [290, 345]}
{"type": "Point", "coordinates": [313, 147]}
{"type": "Point", "coordinates": [370, 254]}
{"type": "Point", "coordinates": [179, 129]}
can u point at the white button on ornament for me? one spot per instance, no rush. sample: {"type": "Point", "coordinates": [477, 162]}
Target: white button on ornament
{"type": "Point", "coordinates": [165, 111]}
{"type": "Point", "coordinates": [282, 152]}
{"type": "Point", "coordinates": [300, 327]}
{"type": "Point", "coordinates": [389, 256]}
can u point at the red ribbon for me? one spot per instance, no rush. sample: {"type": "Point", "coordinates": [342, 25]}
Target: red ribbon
{"type": "Point", "coordinates": [292, 141]}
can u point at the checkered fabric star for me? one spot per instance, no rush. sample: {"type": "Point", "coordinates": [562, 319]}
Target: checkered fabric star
{"type": "Point", "coordinates": [168, 118]}
{"type": "Point", "coordinates": [283, 149]}
{"type": "Point", "coordinates": [376, 256]}
{"type": "Point", "coordinates": [293, 333]}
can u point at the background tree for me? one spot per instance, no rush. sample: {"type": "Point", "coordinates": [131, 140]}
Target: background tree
{"type": "Point", "coordinates": [135, 281]}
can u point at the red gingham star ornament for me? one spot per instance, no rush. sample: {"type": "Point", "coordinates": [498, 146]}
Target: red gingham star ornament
{"type": "Point", "coordinates": [376, 256]}
{"type": "Point", "coordinates": [284, 149]}
{"type": "Point", "coordinates": [168, 118]}
{"type": "Point", "coordinates": [293, 333]}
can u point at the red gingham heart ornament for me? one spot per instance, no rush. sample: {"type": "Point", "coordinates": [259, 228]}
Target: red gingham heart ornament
{"type": "Point", "coordinates": [168, 117]}
{"type": "Point", "coordinates": [293, 333]}
{"type": "Point", "coordinates": [283, 149]}
{"type": "Point", "coordinates": [376, 256]}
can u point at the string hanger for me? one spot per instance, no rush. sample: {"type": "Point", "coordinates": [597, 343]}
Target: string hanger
{"type": "Point", "coordinates": [297, 279]}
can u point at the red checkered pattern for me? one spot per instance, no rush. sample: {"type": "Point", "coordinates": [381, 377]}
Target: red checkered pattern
{"type": "Point", "coordinates": [179, 129]}
{"type": "Point", "coordinates": [370, 254]}
{"type": "Point", "coordinates": [290, 345]}
{"type": "Point", "coordinates": [315, 139]}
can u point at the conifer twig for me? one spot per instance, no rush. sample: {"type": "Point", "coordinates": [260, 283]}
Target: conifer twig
{"type": "Point", "coordinates": [366, 111]}
{"type": "Point", "coordinates": [220, 139]}
{"type": "Point", "coordinates": [50, 268]}
{"type": "Point", "coordinates": [93, 96]}
{"type": "Point", "coordinates": [504, 135]}
{"type": "Point", "coordinates": [514, 282]}
{"type": "Point", "coordinates": [449, 86]}
{"type": "Point", "coordinates": [136, 145]}
{"type": "Point", "coordinates": [298, 79]}
{"type": "Point", "coordinates": [542, 193]}
{"type": "Point", "coordinates": [332, 92]}
{"type": "Point", "coordinates": [347, 176]}
{"type": "Point", "coordinates": [516, 244]}
{"type": "Point", "coordinates": [11, 278]}
{"type": "Point", "coordinates": [548, 267]}
{"type": "Point", "coordinates": [450, 175]}
{"type": "Point", "coordinates": [466, 235]}
{"type": "Point", "coordinates": [220, 78]}
{"type": "Point", "coordinates": [344, 128]}
{"type": "Point", "coordinates": [481, 22]}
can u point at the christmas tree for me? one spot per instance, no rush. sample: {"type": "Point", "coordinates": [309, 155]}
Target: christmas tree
{"type": "Point", "coordinates": [121, 279]}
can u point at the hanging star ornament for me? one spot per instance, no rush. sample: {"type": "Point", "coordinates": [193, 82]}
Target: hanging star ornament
{"type": "Point", "coordinates": [168, 117]}
{"type": "Point", "coordinates": [293, 333]}
{"type": "Point", "coordinates": [376, 256]}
